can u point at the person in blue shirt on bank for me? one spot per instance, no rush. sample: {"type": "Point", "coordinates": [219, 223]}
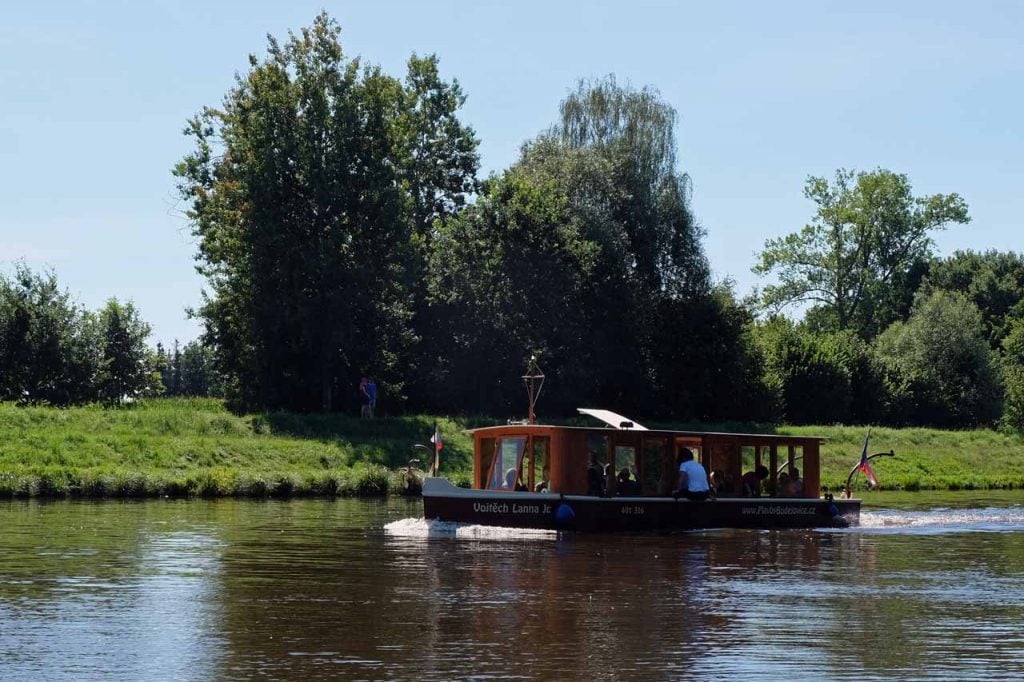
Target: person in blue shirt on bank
{"type": "Point", "coordinates": [371, 389]}
{"type": "Point", "coordinates": [693, 480]}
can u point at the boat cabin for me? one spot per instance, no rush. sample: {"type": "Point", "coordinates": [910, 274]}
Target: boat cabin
{"type": "Point", "coordinates": [515, 457]}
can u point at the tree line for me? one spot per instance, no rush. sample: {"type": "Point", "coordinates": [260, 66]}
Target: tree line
{"type": "Point", "coordinates": [343, 231]}
{"type": "Point", "coordinates": [54, 351]}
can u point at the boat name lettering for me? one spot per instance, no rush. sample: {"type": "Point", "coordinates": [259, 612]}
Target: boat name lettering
{"type": "Point", "coordinates": [516, 508]}
{"type": "Point", "coordinates": [778, 510]}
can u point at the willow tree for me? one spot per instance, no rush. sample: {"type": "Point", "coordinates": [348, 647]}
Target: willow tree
{"type": "Point", "coordinates": [613, 153]}
{"type": "Point", "coordinates": [633, 131]}
{"type": "Point", "coordinates": [311, 189]}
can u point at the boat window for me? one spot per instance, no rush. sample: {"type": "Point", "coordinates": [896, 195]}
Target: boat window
{"type": "Point", "coordinates": [539, 460]}
{"type": "Point", "coordinates": [652, 468]}
{"type": "Point", "coordinates": [597, 445]}
{"type": "Point", "coordinates": [625, 458]}
{"type": "Point", "coordinates": [797, 453]}
{"type": "Point", "coordinates": [486, 457]}
{"type": "Point", "coordinates": [505, 467]}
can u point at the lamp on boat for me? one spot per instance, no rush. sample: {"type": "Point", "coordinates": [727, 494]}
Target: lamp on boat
{"type": "Point", "coordinates": [534, 379]}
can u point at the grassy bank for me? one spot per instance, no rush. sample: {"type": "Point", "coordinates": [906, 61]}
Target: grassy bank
{"type": "Point", "coordinates": [926, 459]}
{"type": "Point", "coordinates": [179, 447]}
{"type": "Point", "coordinates": [197, 448]}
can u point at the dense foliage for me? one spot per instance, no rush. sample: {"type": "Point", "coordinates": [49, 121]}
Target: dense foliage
{"type": "Point", "coordinates": [55, 352]}
{"type": "Point", "coordinates": [343, 232]}
{"type": "Point", "coordinates": [938, 368]}
{"type": "Point", "coordinates": [189, 371]}
{"type": "Point", "coordinates": [311, 193]}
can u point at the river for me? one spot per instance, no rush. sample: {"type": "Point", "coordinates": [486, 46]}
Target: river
{"type": "Point", "coordinates": [929, 587]}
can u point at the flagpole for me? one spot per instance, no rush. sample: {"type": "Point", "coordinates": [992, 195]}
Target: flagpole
{"type": "Point", "coordinates": [436, 439]}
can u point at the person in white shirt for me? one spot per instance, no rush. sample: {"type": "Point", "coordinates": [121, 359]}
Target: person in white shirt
{"type": "Point", "coordinates": [693, 480]}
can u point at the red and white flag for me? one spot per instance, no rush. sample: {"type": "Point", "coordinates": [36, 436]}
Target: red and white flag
{"type": "Point", "coordinates": [865, 466]}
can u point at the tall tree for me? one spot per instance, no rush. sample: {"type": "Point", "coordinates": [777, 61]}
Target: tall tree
{"type": "Point", "coordinates": [633, 131]}
{"type": "Point", "coordinates": [127, 365]}
{"type": "Point", "coordinates": [868, 233]}
{"type": "Point", "coordinates": [48, 353]}
{"type": "Point", "coordinates": [1013, 375]}
{"type": "Point", "coordinates": [510, 274]}
{"type": "Point", "coordinates": [198, 373]}
{"type": "Point", "coordinates": [612, 155]}
{"type": "Point", "coordinates": [308, 191]}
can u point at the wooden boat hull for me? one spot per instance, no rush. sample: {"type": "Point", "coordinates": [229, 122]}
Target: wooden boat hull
{"type": "Point", "coordinates": [445, 502]}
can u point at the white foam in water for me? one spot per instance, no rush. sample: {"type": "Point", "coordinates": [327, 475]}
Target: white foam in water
{"type": "Point", "coordinates": [946, 519]}
{"type": "Point", "coordinates": [430, 528]}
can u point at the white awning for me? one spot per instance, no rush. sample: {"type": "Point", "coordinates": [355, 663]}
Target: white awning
{"type": "Point", "coordinates": [616, 421]}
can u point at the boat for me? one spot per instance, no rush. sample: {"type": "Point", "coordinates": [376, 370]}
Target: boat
{"type": "Point", "coordinates": [530, 475]}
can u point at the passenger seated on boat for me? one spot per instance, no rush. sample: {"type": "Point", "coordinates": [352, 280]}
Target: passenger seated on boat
{"type": "Point", "coordinates": [693, 480]}
{"type": "Point", "coordinates": [512, 481]}
{"type": "Point", "coordinates": [627, 487]}
{"type": "Point", "coordinates": [796, 483]}
{"type": "Point", "coordinates": [545, 483]}
{"type": "Point", "coordinates": [595, 477]}
{"type": "Point", "coordinates": [750, 484]}
{"type": "Point", "coordinates": [783, 487]}
{"type": "Point", "coordinates": [721, 482]}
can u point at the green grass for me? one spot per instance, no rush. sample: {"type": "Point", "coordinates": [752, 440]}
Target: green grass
{"type": "Point", "coordinates": [179, 447]}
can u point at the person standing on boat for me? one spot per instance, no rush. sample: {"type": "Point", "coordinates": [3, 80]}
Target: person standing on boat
{"type": "Point", "coordinates": [693, 480]}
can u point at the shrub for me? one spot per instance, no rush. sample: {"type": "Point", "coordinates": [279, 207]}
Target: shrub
{"type": "Point", "coordinates": [937, 367]}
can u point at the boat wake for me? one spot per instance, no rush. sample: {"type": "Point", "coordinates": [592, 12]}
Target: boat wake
{"type": "Point", "coordinates": [431, 528]}
{"type": "Point", "coordinates": [944, 520]}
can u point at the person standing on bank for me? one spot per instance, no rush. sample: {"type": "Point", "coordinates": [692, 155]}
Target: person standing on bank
{"type": "Point", "coordinates": [364, 399]}
{"type": "Point", "coordinates": [693, 480]}
{"type": "Point", "coordinates": [371, 390]}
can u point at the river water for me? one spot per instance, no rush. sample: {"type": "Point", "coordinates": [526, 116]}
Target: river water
{"type": "Point", "coordinates": [928, 587]}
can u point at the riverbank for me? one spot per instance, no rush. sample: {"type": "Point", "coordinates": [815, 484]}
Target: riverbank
{"type": "Point", "coordinates": [196, 447]}
{"type": "Point", "coordinates": [182, 448]}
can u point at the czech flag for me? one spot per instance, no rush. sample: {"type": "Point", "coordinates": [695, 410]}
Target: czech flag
{"type": "Point", "coordinates": [865, 466]}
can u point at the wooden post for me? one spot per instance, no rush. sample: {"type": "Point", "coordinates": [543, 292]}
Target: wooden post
{"type": "Point", "coordinates": [812, 469]}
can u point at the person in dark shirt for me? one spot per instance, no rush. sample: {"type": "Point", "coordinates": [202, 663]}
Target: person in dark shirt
{"type": "Point", "coordinates": [544, 484]}
{"type": "Point", "coordinates": [750, 484]}
{"type": "Point", "coordinates": [627, 487]}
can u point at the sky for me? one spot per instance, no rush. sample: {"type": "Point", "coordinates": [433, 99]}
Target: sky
{"type": "Point", "coordinates": [94, 97]}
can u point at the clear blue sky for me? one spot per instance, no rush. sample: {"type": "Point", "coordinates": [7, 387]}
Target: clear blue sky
{"type": "Point", "coordinates": [94, 95]}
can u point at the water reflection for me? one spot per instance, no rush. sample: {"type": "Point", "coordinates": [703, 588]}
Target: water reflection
{"type": "Point", "coordinates": [318, 589]}
{"type": "Point", "coordinates": [109, 592]}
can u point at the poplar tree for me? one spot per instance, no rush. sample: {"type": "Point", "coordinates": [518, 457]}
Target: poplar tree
{"type": "Point", "coordinates": [311, 191]}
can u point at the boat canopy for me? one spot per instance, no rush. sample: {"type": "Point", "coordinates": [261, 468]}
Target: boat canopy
{"type": "Point", "coordinates": [616, 421]}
